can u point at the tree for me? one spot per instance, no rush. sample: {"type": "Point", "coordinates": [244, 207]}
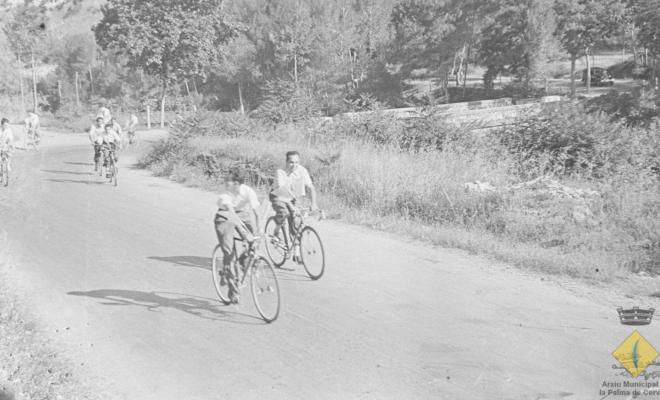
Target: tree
{"type": "Point", "coordinates": [518, 40]}
{"type": "Point", "coordinates": [581, 24]}
{"type": "Point", "coordinates": [172, 39]}
{"type": "Point", "coordinates": [26, 34]}
{"type": "Point", "coordinates": [648, 22]}
{"type": "Point", "coordinates": [238, 65]}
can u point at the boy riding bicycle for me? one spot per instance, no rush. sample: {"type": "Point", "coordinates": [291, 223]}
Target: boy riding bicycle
{"type": "Point", "coordinates": [291, 185]}
{"type": "Point", "coordinates": [237, 210]}
{"type": "Point", "coordinates": [96, 133]}
{"type": "Point", "coordinates": [110, 142]}
{"type": "Point", "coordinates": [32, 128]}
{"type": "Point", "coordinates": [6, 141]}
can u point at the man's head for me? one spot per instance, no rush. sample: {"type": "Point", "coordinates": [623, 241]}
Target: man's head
{"type": "Point", "coordinates": [99, 122]}
{"type": "Point", "coordinates": [235, 177]}
{"type": "Point", "coordinates": [4, 122]}
{"type": "Point", "coordinates": [108, 128]}
{"type": "Point", "coordinates": [292, 160]}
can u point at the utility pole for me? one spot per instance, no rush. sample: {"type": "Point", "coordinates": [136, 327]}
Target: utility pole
{"type": "Point", "coordinates": [34, 86]}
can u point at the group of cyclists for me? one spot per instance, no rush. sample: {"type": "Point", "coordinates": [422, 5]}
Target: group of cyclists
{"type": "Point", "coordinates": [237, 207]}
{"type": "Point", "coordinates": [105, 135]}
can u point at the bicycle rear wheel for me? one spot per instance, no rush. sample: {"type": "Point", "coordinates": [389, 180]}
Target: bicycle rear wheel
{"type": "Point", "coordinates": [4, 174]}
{"type": "Point", "coordinates": [276, 242]}
{"type": "Point", "coordinates": [265, 289]}
{"type": "Point", "coordinates": [220, 275]}
{"type": "Point", "coordinates": [311, 252]}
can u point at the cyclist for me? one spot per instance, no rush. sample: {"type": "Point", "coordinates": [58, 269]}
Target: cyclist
{"type": "Point", "coordinates": [32, 127]}
{"type": "Point", "coordinates": [104, 113]}
{"type": "Point", "coordinates": [131, 127]}
{"type": "Point", "coordinates": [96, 133]}
{"type": "Point", "coordinates": [6, 140]}
{"type": "Point", "coordinates": [237, 206]}
{"type": "Point", "coordinates": [115, 126]}
{"type": "Point", "coordinates": [111, 141]}
{"type": "Point", "coordinates": [291, 185]}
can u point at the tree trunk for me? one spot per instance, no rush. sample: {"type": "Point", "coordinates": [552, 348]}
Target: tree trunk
{"type": "Point", "coordinates": [573, 59]}
{"type": "Point", "coordinates": [446, 87]}
{"type": "Point", "coordinates": [465, 72]}
{"type": "Point", "coordinates": [187, 88]}
{"type": "Point", "coordinates": [240, 97]}
{"type": "Point", "coordinates": [295, 68]}
{"type": "Point", "coordinates": [195, 85]}
{"type": "Point", "coordinates": [91, 81]}
{"type": "Point", "coordinates": [59, 91]}
{"type": "Point", "coordinates": [20, 83]}
{"type": "Point", "coordinates": [77, 93]}
{"type": "Point", "coordinates": [162, 106]}
{"type": "Point", "coordinates": [586, 56]}
{"type": "Point", "coordinates": [34, 86]}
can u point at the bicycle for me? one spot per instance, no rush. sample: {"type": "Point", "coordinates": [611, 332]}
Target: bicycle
{"type": "Point", "coordinates": [33, 138]}
{"type": "Point", "coordinates": [110, 166]}
{"type": "Point", "coordinates": [4, 168]}
{"type": "Point", "coordinates": [263, 280]}
{"type": "Point", "coordinates": [280, 246]}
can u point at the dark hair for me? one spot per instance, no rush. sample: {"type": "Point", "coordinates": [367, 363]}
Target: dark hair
{"type": "Point", "coordinates": [99, 118]}
{"type": "Point", "coordinates": [4, 120]}
{"type": "Point", "coordinates": [237, 175]}
{"type": "Point", "coordinates": [292, 153]}
{"type": "Point", "coordinates": [109, 126]}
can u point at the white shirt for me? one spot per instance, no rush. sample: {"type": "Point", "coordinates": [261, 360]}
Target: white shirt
{"type": "Point", "coordinates": [32, 121]}
{"type": "Point", "coordinates": [132, 122]}
{"type": "Point", "coordinates": [244, 200]}
{"type": "Point", "coordinates": [113, 137]}
{"type": "Point", "coordinates": [96, 134]}
{"type": "Point", "coordinates": [294, 182]}
{"type": "Point", "coordinates": [6, 137]}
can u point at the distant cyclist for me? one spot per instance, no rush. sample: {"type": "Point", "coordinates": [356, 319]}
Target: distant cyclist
{"type": "Point", "coordinates": [290, 188]}
{"type": "Point", "coordinates": [237, 206]}
{"type": "Point", "coordinates": [131, 127]}
{"type": "Point", "coordinates": [96, 133]}
{"type": "Point", "coordinates": [6, 140]}
{"type": "Point", "coordinates": [32, 127]}
{"type": "Point", "coordinates": [115, 126]}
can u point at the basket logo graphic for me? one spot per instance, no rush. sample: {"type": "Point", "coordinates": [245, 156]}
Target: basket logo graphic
{"type": "Point", "coordinates": [635, 315]}
{"type": "Point", "coordinates": [635, 354]}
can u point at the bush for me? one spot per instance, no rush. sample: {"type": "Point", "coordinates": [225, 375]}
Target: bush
{"type": "Point", "coordinates": [633, 108]}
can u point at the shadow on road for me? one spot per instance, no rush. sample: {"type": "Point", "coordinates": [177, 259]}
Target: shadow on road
{"type": "Point", "coordinates": [74, 181]}
{"type": "Point", "coordinates": [187, 261]}
{"type": "Point", "coordinates": [67, 172]}
{"type": "Point", "coordinates": [201, 307]}
{"type": "Point", "coordinates": [285, 274]}
{"type": "Point", "coordinates": [78, 163]}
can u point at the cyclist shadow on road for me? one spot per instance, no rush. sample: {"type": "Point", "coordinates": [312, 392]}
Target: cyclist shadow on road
{"type": "Point", "coordinates": [67, 172]}
{"type": "Point", "coordinates": [78, 163]}
{"type": "Point", "coordinates": [287, 274]}
{"type": "Point", "coordinates": [75, 181]}
{"type": "Point", "coordinates": [201, 307]}
{"type": "Point", "coordinates": [187, 261]}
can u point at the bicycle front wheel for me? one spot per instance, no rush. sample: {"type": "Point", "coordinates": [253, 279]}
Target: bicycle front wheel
{"type": "Point", "coordinates": [114, 174]}
{"type": "Point", "coordinates": [276, 242]}
{"type": "Point", "coordinates": [220, 275]}
{"type": "Point", "coordinates": [311, 252]}
{"type": "Point", "coordinates": [265, 289]}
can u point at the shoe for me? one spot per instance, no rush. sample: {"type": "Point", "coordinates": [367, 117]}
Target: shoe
{"type": "Point", "coordinates": [296, 254]}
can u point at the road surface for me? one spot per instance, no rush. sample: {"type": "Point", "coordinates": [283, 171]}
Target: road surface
{"type": "Point", "coordinates": [120, 278]}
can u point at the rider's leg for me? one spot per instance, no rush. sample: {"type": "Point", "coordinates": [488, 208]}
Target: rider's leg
{"type": "Point", "coordinates": [224, 229]}
{"type": "Point", "coordinates": [281, 212]}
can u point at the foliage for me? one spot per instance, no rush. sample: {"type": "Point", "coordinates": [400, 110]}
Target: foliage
{"type": "Point", "coordinates": [633, 108]}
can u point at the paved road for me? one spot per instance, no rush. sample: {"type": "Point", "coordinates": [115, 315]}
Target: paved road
{"type": "Point", "coordinates": [120, 278]}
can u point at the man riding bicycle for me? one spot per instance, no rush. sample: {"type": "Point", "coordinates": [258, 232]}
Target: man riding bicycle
{"type": "Point", "coordinates": [237, 208]}
{"type": "Point", "coordinates": [131, 127]}
{"type": "Point", "coordinates": [96, 133]}
{"type": "Point", "coordinates": [32, 127]}
{"type": "Point", "coordinates": [110, 143]}
{"type": "Point", "coordinates": [291, 185]}
{"type": "Point", "coordinates": [6, 141]}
